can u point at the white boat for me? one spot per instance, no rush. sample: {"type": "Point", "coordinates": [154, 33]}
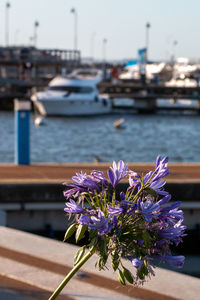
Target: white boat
{"type": "Point", "coordinates": [182, 81]}
{"type": "Point", "coordinates": [71, 96]}
{"type": "Point", "coordinates": [94, 75]}
{"type": "Point", "coordinates": [162, 70]}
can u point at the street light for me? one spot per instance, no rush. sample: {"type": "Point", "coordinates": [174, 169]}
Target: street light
{"type": "Point", "coordinates": [104, 49]}
{"type": "Point", "coordinates": [175, 43]}
{"type": "Point", "coordinates": [148, 25]}
{"type": "Point", "coordinates": [92, 46]}
{"type": "Point", "coordinates": [36, 25]}
{"type": "Point", "coordinates": [74, 11]}
{"type": "Point", "coordinates": [104, 56]}
{"type": "Point", "coordinates": [7, 24]}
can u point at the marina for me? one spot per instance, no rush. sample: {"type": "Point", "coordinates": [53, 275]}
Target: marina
{"type": "Point", "coordinates": [84, 89]}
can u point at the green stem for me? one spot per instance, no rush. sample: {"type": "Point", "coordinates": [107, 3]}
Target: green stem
{"type": "Point", "coordinates": [71, 273]}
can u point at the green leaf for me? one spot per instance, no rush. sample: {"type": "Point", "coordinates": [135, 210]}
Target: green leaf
{"type": "Point", "coordinates": [144, 268]}
{"type": "Point", "coordinates": [101, 263]}
{"type": "Point", "coordinates": [92, 243]}
{"type": "Point", "coordinates": [79, 254]}
{"type": "Point", "coordinates": [93, 233]}
{"type": "Point", "coordinates": [121, 277]}
{"type": "Point", "coordinates": [115, 264]}
{"type": "Point", "coordinates": [140, 274]}
{"type": "Point", "coordinates": [102, 247]}
{"type": "Point", "coordinates": [127, 274]}
{"type": "Point", "coordinates": [69, 232]}
{"type": "Point", "coordinates": [80, 232]}
{"type": "Point", "coordinates": [115, 260]}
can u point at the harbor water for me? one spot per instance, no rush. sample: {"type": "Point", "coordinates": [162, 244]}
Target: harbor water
{"type": "Point", "coordinates": [86, 139]}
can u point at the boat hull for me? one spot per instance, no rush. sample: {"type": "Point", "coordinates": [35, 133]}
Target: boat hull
{"type": "Point", "coordinates": [72, 108]}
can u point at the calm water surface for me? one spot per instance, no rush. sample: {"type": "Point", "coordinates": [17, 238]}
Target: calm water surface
{"type": "Point", "coordinates": [82, 139]}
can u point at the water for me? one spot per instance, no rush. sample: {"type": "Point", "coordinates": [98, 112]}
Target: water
{"type": "Point", "coordinates": [83, 138]}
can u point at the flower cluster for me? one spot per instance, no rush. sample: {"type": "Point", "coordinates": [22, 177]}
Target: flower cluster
{"type": "Point", "coordinates": [138, 224]}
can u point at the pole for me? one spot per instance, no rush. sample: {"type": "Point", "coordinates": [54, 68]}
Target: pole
{"type": "Point", "coordinates": [104, 56]}
{"type": "Point", "coordinates": [7, 24]}
{"type": "Point", "coordinates": [74, 11]}
{"type": "Point", "coordinates": [22, 132]}
{"type": "Point", "coordinates": [92, 46]}
{"type": "Point", "coordinates": [36, 24]}
{"type": "Point", "coordinates": [148, 25]}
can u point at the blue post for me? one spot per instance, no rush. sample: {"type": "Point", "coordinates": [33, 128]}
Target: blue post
{"type": "Point", "coordinates": [22, 132]}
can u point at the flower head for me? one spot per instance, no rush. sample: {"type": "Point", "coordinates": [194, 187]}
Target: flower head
{"type": "Point", "coordinates": [117, 172]}
{"type": "Point", "coordinates": [139, 223]}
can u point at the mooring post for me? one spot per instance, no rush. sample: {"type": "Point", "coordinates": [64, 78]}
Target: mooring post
{"type": "Point", "coordinates": [22, 132]}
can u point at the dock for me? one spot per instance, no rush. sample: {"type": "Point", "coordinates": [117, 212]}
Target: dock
{"type": "Point", "coordinates": [31, 267]}
{"type": "Point", "coordinates": [42, 173]}
{"type": "Point", "coordinates": [35, 193]}
{"type": "Point", "coordinates": [145, 95]}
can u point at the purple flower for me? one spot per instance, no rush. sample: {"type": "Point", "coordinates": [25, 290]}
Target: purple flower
{"type": "Point", "coordinates": [164, 200]}
{"type": "Point", "coordinates": [147, 177]}
{"type": "Point", "coordinates": [148, 209]}
{"type": "Point", "coordinates": [117, 172]}
{"type": "Point", "coordinates": [114, 211]}
{"type": "Point", "coordinates": [157, 187]}
{"type": "Point", "coordinates": [137, 263]}
{"type": "Point", "coordinates": [171, 206]}
{"type": "Point", "coordinates": [99, 178]}
{"type": "Point", "coordinates": [173, 233]}
{"type": "Point", "coordinates": [84, 220]}
{"type": "Point", "coordinates": [127, 206]}
{"type": "Point", "coordinates": [74, 191]}
{"type": "Point", "coordinates": [96, 181]}
{"type": "Point", "coordinates": [86, 181]}
{"type": "Point", "coordinates": [73, 208]}
{"type": "Point", "coordinates": [175, 261]}
{"type": "Point", "coordinates": [101, 223]}
{"type": "Point", "coordinates": [161, 168]}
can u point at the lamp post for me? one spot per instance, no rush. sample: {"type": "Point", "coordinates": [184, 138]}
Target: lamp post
{"type": "Point", "coordinates": [74, 11]}
{"type": "Point", "coordinates": [104, 56]}
{"type": "Point", "coordinates": [175, 43]}
{"type": "Point", "coordinates": [92, 46]}
{"type": "Point", "coordinates": [7, 24]}
{"type": "Point", "coordinates": [148, 25]}
{"type": "Point", "coordinates": [36, 25]}
{"type": "Point", "coordinates": [104, 49]}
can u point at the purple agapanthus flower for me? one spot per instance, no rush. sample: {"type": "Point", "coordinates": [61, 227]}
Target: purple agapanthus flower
{"type": "Point", "coordinates": [139, 224]}
{"type": "Point", "coordinates": [148, 209]}
{"type": "Point", "coordinates": [175, 261]}
{"type": "Point", "coordinates": [73, 208]}
{"type": "Point", "coordinates": [137, 263]}
{"type": "Point", "coordinates": [86, 181]}
{"type": "Point", "coordinates": [171, 206]}
{"type": "Point", "coordinates": [128, 207]}
{"type": "Point", "coordinates": [114, 211]}
{"type": "Point", "coordinates": [161, 168]}
{"type": "Point", "coordinates": [157, 186]}
{"type": "Point", "coordinates": [96, 181]}
{"type": "Point", "coordinates": [117, 172]}
{"type": "Point", "coordinates": [99, 178]}
{"type": "Point", "coordinates": [84, 220]}
{"type": "Point", "coordinates": [101, 223]}
{"type": "Point", "coordinates": [173, 233]}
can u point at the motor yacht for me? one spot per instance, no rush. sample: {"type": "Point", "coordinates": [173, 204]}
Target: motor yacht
{"type": "Point", "coordinates": [71, 96]}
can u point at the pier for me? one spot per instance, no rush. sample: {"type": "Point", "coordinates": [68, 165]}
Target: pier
{"type": "Point", "coordinates": [34, 193]}
{"type": "Point", "coordinates": [145, 95]}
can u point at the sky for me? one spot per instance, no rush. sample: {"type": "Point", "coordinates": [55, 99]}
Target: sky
{"type": "Point", "coordinates": [121, 22]}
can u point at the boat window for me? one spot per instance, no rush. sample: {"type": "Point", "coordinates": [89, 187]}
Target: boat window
{"type": "Point", "coordinates": [72, 89]}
